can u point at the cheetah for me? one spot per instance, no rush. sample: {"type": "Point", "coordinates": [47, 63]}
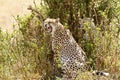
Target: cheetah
{"type": "Point", "coordinates": [67, 53]}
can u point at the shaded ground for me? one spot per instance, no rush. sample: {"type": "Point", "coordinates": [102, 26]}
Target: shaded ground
{"type": "Point", "coordinates": [10, 8]}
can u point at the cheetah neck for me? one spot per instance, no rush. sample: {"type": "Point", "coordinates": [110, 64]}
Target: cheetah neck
{"type": "Point", "coordinates": [58, 28]}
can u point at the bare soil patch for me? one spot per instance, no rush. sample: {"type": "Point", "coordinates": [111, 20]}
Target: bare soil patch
{"type": "Point", "coordinates": [10, 8]}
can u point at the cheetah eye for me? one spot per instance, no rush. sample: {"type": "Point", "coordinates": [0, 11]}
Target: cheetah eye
{"type": "Point", "coordinates": [45, 25]}
{"type": "Point", "coordinates": [50, 28]}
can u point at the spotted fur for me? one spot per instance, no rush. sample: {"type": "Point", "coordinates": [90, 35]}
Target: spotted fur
{"type": "Point", "coordinates": [67, 52]}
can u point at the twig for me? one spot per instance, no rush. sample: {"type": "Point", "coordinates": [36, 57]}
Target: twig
{"type": "Point", "coordinates": [37, 12]}
{"type": "Point", "coordinates": [34, 3]}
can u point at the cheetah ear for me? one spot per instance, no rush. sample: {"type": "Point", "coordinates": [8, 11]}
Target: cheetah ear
{"type": "Point", "coordinates": [57, 20]}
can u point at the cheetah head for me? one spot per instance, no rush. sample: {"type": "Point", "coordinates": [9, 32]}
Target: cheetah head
{"type": "Point", "coordinates": [50, 25]}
